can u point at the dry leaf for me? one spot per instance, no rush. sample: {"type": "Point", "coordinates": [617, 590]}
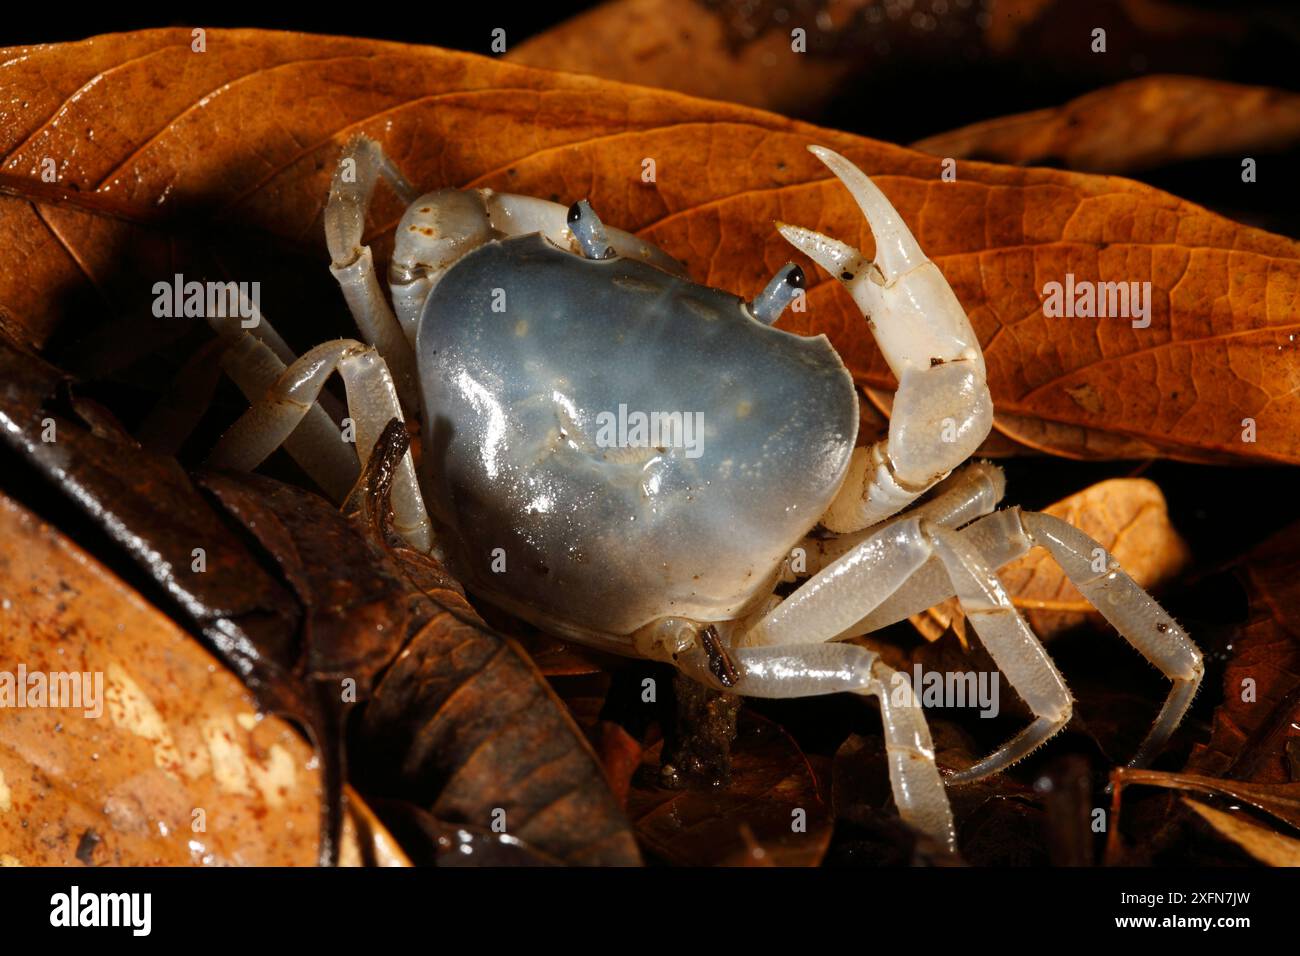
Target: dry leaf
{"type": "Point", "coordinates": [1127, 516]}
{"type": "Point", "coordinates": [1259, 718]}
{"type": "Point", "coordinates": [1265, 845]}
{"type": "Point", "coordinates": [1146, 122]}
{"type": "Point", "coordinates": [239, 144]}
{"type": "Point", "coordinates": [178, 770]}
{"type": "Point", "coordinates": [687, 46]}
{"type": "Point", "coordinates": [1280, 800]}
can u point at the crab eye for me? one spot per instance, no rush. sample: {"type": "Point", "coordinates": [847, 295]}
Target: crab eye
{"type": "Point", "coordinates": [589, 231]}
{"type": "Point", "coordinates": [779, 293]}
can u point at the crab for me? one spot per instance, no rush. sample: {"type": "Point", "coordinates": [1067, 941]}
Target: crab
{"type": "Point", "coordinates": [518, 328]}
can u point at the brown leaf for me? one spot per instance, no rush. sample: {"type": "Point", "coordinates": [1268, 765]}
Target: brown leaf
{"type": "Point", "coordinates": [1281, 800]}
{"type": "Point", "coordinates": [688, 46]}
{"type": "Point", "coordinates": [1146, 122]}
{"type": "Point", "coordinates": [724, 826]}
{"type": "Point", "coordinates": [1263, 844]}
{"type": "Point", "coordinates": [1259, 718]}
{"type": "Point", "coordinates": [178, 733]}
{"type": "Point", "coordinates": [460, 722]}
{"type": "Point", "coordinates": [254, 158]}
{"type": "Point", "coordinates": [1127, 516]}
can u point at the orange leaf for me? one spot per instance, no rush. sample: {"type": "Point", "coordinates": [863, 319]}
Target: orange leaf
{"type": "Point", "coordinates": [147, 138]}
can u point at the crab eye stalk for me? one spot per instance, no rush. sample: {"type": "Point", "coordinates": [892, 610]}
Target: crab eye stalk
{"type": "Point", "coordinates": [778, 294]}
{"type": "Point", "coordinates": [589, 231]}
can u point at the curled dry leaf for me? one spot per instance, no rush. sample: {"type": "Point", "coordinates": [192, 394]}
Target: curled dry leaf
{"type": "Point", "coordinates": [1265, 845]}
{"type": "Point", "coordinates": [173, 766]}
{"type": "Point", "coordinates": [1127, 516]}
{"type": "Point", "coordinates": [748, 52]}
{"type": "Point", "coordinates": [1146, 122]}
{"type": "Point", "coordinates": [1280, 800]}
{"type": "Point", "coordinates": [240, 142]}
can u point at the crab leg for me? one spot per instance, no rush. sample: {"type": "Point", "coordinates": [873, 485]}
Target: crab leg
{"type": "Point", "coordinates": [1131, 611]}
{"type": "Point", "coordinates": [963, 564]}
{"type": "Point", "coordinates": [828, 604]}
{"type": "Point", "coordinates": [315, 444]}
{"type": "Point", "coordinates": [967, 494]}
{"type": "Point", "coordinates": [372, 401]}
{"type": "Point", "coordinates": [942, 410]}
{"type": "Point", "coordinates": [361, 166]}
{"type": "Point", "coordinates": [814, 669]}
{"type": "Point", "coordinates": [1020, 656]}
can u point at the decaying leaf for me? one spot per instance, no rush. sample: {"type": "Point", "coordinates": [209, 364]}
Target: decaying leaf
{"type": "Point", "coordinates": [1146, 122]}
{"type": "Point", "coordinates": [1127, 516]}
{"type": "Point", "coordinates": [173, 766]}
{"type": "Point", "coordinates": [238, 145]}
{"type": "Point", "coordinates": [1265, 845]}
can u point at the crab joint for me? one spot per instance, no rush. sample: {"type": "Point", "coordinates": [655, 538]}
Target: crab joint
{"type": "Point", "coordinates": [720, 663]}
{"type": "Point", "coordinates": [589, 231]}
{"type": "Point", "coordinates": [778, 294]}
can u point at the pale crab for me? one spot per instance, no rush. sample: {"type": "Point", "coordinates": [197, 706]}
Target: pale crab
{"type": "Point", "coordinates": [515, 323]}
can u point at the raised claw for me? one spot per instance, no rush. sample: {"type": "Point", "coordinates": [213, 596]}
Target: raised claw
{"type": "Point", "coordinates": [915, 315]}
{"type": "Point", "coordinates": [942, 410]}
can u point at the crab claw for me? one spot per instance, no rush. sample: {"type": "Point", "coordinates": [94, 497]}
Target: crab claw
{"type": "Point", "coordinates": [915, 315]}
{"type": "Point", "coordinates": [942, 411]}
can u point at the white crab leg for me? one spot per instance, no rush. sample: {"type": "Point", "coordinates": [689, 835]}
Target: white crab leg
{"type": "Point", "coordinates": [351, 262]}
{"type": "Point", "coordinates": [942, 411]}
{"type": "Point", "coordinates": [274, 419]}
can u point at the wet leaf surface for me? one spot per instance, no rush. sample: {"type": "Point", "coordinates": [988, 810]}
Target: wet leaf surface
{"type": "Point", "coordinates": [1263, 844]}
